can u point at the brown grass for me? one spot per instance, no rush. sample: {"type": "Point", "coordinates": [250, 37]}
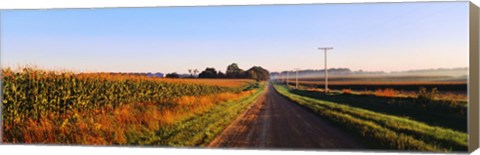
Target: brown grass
{"type": "Point", "coordinates": [347, 91]}
{"type": "Point", "coordinates": [388, 92]}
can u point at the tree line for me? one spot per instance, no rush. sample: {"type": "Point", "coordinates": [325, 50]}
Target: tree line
{"type": "Point", "coordinates": [233, 71]}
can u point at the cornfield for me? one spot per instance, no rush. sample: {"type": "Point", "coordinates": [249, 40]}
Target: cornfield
{"type": "Point", "coordinates": [33, 93]}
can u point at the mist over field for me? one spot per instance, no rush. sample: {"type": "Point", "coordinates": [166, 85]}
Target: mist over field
{"type": "Point", "coordinates": [440, 74]}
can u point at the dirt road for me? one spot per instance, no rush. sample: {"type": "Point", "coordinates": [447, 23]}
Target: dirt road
{"type": "Point", "coordinates": [276, 122]}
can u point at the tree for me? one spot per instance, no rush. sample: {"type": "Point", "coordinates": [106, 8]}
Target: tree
{"type": "Point", "coordinates": [208, 73]}
{"type": "Point", "coordinates": [221, 75]}
{"type": "Point", "coordinates": [258, 73]}
{"type": "Point", "coordinates": [233, 71]}
{"type": "Point", "coordinates": [190, 72]}
{"type": "Point", "coordinates": [252, 74]}
{"type": "Point", "coordinates": [195, 71]}
{"type": "Point", "coordinates": [172, 75]}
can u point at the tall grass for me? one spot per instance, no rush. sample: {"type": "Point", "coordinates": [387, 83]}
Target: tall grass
{"type": "Point", "coordinates": [201, 129]}
{"type": "Point", "coordinates": [384, 131]}
{"type": "Point", "coordinates": [32, 97]}
{"type": "Point", "coordinates": [134, 123]}
{"type": "Point", "coordinates": [34, 93]}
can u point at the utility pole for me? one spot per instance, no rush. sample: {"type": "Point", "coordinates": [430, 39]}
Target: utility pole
{"type": "Point", "coordinates": [326, 71]}
{"type": "Point", "coordinates": [296, 78]}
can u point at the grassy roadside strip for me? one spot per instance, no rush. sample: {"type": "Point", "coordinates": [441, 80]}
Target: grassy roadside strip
{"type": "Point", "coordinates": [384, 131]}
{"type": "Point", "coordinates": [203, 128]}
{"type": "Point", "coordinates": [444, 113]}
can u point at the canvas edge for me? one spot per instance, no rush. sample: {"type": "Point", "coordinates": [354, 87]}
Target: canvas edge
{"type": "Point", "coordinates": [473, 80]}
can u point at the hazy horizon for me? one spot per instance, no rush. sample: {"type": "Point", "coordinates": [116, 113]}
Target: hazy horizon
{"type": "Point", "coordinates": [371, 37]}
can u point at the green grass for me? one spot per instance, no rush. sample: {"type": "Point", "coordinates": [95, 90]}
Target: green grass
{"type": "Point", "coordinates": [199, 129]}
{"type": "Point", "coordinates": [383, 131]}
{"type": "Point", "coordinates": [448, 114]}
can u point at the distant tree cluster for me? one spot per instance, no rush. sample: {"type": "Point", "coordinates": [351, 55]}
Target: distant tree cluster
{"type": "Point", "coordinates": [209, 73]}
{"type": "Point", "coordinates": [172, 75]}
{"type": "Point", "coordinates": [258, 73]}
{"type": "Point", "coordinates": [233, 71]}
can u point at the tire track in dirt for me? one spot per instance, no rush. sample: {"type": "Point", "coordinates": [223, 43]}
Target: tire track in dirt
{"type": "Point", "coordinates": [276, 122]}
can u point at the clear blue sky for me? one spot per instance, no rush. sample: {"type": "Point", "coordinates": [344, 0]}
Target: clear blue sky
{"type": "Point", "coordinates": [371, 37]}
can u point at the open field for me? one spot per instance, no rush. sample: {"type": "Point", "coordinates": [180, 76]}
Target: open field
{"type": "Point", "coordinates": [402, 86]}
{"type": "Point", "coordinates": [390, 123]}
{"type": "Point", "coordinates": [210, 82]}
{"type": "Point", "coordinates": [97, 109]}
{"type": "Point", "coordinates": [52, 107]}
{"type": "Point", "coordinates": [386, 78]}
